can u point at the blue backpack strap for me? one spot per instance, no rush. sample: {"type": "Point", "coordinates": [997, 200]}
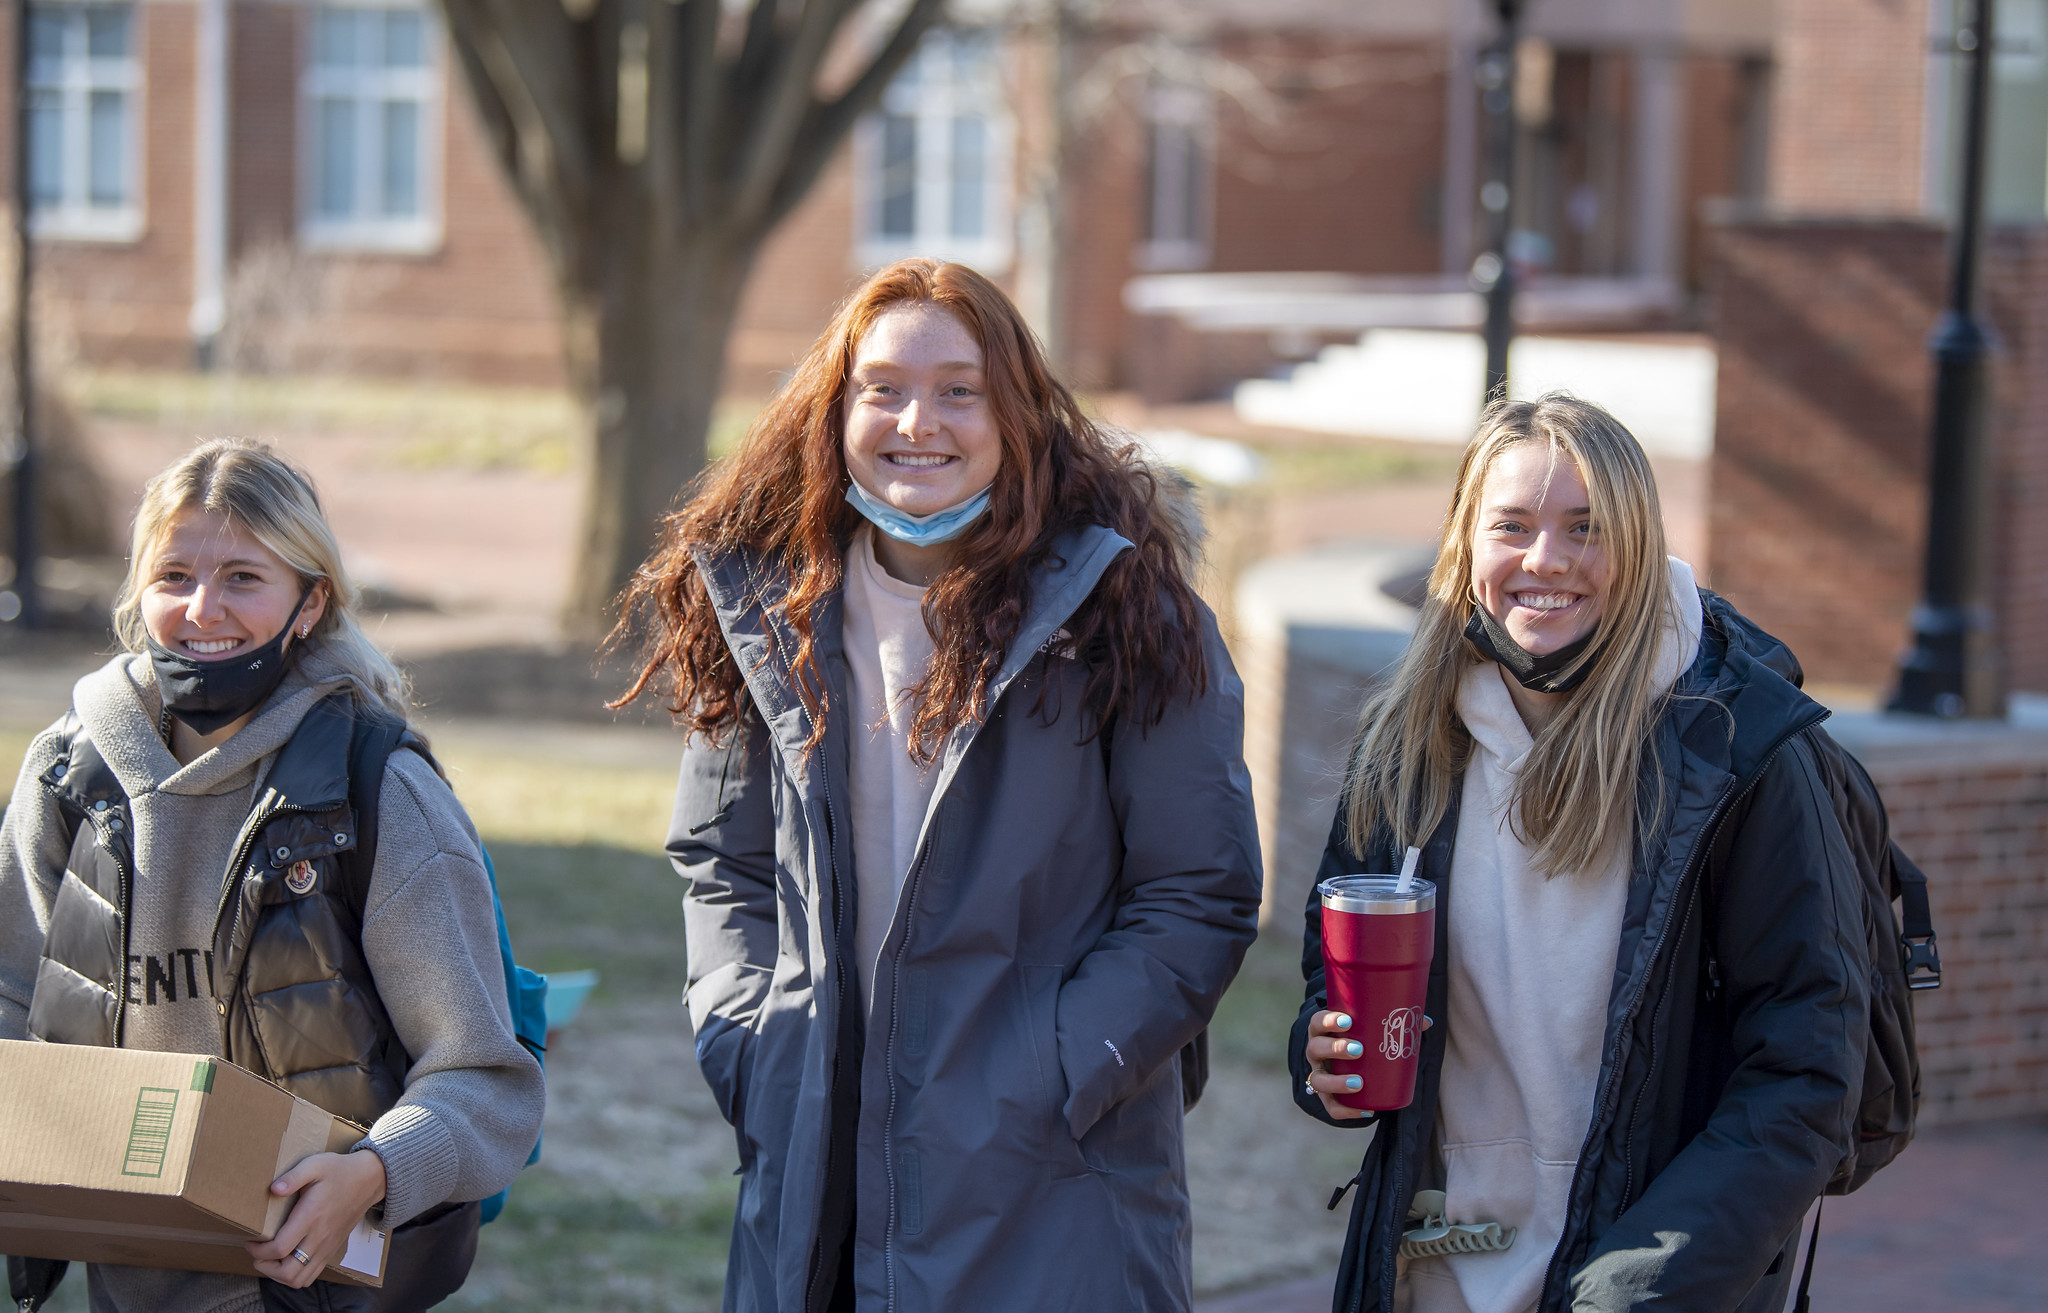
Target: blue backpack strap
{"type": "Point", "coordinates": [527, 993]}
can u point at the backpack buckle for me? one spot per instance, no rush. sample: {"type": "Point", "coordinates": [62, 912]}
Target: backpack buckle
{"type": "Point", "coordinates": [1923, 962]}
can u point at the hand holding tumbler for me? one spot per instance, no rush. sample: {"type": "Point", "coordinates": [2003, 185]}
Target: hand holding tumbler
{"type": "Point", "coordinates": [1378, 939]}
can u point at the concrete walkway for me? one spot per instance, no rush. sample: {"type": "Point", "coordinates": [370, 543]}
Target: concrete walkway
{"type": "Point", "coordinates": [1956, 1225]}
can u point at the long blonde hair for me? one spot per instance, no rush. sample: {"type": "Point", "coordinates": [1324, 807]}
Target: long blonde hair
{"type": "Point", "coordinates": [1575, 797]}
{"type": "Point", "coordinates": [256, 489]}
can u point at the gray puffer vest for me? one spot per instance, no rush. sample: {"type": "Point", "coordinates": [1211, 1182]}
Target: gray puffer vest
{"type": "Point", "coordinates": [297, 1002]}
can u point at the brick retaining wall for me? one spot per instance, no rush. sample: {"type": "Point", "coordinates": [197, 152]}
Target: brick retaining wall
{"type": "Point", "coordinates": [1970, 805]}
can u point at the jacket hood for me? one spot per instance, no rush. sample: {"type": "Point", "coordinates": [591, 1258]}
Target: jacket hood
{"type": "Point", "coordinates": [1739, 631]}
{"type": "Point", "coordinates": [120, 708]}
{"type": "Point", "coordinates": [1742, 697]}
{"type": "Point", "coordinates": [746, 588]}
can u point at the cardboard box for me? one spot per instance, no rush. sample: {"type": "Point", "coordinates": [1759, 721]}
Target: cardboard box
{"type": "Point", "coordinates": [154, 1160]}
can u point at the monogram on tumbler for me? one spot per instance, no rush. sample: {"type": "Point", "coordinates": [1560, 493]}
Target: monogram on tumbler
{"type": "Point", "coordinates": [1379, 933]}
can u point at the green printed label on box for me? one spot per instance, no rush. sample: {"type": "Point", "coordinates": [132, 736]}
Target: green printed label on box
{"type": "Point", "coordinates": [202, 1077]}
{"type": "Point", "coordinates": [149, 1135]}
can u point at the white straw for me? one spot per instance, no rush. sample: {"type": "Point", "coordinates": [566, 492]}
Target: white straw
{"type": "Point", "coordinates": [1407, 879]}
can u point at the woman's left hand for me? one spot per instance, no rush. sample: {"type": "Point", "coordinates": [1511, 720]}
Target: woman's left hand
{"type": "Point", "coordinates": [338, 1188]}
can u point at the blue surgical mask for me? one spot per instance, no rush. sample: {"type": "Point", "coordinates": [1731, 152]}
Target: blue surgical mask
{"type": "Point", "coordinates": [917, 530]}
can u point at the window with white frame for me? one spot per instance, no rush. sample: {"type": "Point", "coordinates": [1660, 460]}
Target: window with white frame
{"type": "Point", "coordinates": [1176, 197]}
{"type": "Point", "coordinates": [933, 162]}
{"type": "Point", "coordinates": [371, 128]}
{"type": "Point", "coordinates": [84, 172]}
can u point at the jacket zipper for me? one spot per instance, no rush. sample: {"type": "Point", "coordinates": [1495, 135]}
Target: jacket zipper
{"type": "Point", "coordinates": [1635, 1117]}
{"type": "Point", "coordinates": [127, 936]}
{"type": "Point", "coordinates": [889, 1059]}
{"type": "Point", "coordinates": [124, 887]}
{"type": "Point", "coordinates": [232, 880]}
{"type": "Point", "coordinates": [1609, 1096]}
{"type": "Point", "coordinates": [839, 982]}
{"type": "Point", "coordinates": [1713, 833]}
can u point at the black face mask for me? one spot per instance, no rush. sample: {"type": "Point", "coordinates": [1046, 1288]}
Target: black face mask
{"type": "Point", "coordinates": [209, 694]}
{"type": "Point", "coordinates": [1538, 674]}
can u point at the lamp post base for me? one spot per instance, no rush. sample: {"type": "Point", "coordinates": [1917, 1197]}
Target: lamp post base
{"type": "Point", "coordinates": [1952, 669]}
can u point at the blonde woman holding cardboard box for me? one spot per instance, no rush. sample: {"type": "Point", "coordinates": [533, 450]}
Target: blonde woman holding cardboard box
{"type": "Point", "coordinates": [178, 873]}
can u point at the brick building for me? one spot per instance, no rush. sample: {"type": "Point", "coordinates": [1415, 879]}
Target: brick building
{"type": "Point", "coordinates": [1825, 300]}
{"type": "Point", "coordinates": [301, 183]}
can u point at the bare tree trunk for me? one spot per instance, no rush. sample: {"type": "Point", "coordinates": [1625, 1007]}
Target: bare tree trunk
{"type": "Point", "coordinates": [647, 352]}
{"type": "Point", "coordinates": [654, 146]}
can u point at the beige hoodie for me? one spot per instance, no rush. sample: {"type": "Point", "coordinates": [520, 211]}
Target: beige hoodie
{"type": "Point", "coordinates": [1531, 964]}
{"type": "Point", "coordinates": [472, 1104]}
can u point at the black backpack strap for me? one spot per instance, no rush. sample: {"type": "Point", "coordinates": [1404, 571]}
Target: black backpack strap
{"type": "Point", "coordinates": [377, 734]}
{"type": "Point", "coordinates": [1916, 923]}
{"type": "Point", "coordinates": [1803, 1303]}
{"type": "Point", "coordinates": [31, 1281]}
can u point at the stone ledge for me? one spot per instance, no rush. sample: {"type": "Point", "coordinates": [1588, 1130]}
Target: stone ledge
{"type": "Point", "coordinates": [1892, 741]}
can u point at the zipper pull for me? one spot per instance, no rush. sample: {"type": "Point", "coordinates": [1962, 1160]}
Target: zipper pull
{"type": "Point", "coordinates": [1337, 1195]}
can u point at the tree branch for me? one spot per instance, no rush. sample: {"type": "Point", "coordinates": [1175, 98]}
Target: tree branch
{"type": "Point", "coordinates": [524, 46]}
{"type": "Point", "coordinates": [826, 125]}
{"type": "Point", "coordinates": [697, 105]}
{"type": "Point", "coordinates": [777, 116]}
{"type": "Point", "coordinates": [757, 51]}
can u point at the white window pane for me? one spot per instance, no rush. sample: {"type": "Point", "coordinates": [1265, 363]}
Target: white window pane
{"type": "Point", "coordinates": [106, 31]}
{"type": "Point", "coordinates": [334, 38]}
{"type": "Point", "coordinates": [401, 158]}
{"type": "Point", "coordinates": [45, 150]}
{"type": "Point", "coordinates": [404, 38]}
{"type": "Point", "coordinates": [970, 177]}
{"type": "Point", "coordinates": [1172, 202]}
{"type": "Point", "coordinates": [108, 169]}
{"type": "Point", "coordinates": [337, 155]}
{"type": "Point", "coordinates": [899, 176]}
{"type": "Point", "coordinates": [45, 37]}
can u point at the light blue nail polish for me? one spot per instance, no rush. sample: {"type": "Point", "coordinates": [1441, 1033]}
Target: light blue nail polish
{"type": "Point", "coordinates": [1343, 1022]}
{"type": "Point", "coordinates": [1353, 1048]}
{"type": "Point", "coordinates": [1353, 1083]}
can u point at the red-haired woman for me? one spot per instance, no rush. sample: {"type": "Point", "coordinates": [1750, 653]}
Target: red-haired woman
{"type": "Point", "coordinates": [964, 821]}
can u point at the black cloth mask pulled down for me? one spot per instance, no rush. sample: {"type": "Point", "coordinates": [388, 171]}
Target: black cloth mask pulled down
{"type": "Point", "coordinates": [1538, 674]}
{"type": "Point", "coordinates": [209, 694]}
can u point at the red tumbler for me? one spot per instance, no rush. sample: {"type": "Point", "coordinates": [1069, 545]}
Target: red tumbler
{"type": "Point", "coordinates": [1377, 944]}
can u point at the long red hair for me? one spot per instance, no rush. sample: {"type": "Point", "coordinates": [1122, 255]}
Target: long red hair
{"type": "Point", "coordinates": [781, 495]}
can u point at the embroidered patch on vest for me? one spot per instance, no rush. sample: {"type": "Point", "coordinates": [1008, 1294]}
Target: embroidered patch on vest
{"type": "Point", "coordinates": [300, 878]}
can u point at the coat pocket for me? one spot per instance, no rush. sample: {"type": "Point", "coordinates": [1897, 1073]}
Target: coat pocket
{"type": "Point", "coordinates": [1041, 990]}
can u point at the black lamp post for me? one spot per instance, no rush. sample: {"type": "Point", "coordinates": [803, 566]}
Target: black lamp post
{"type": "Point", "coordinates": [1953, 668]}
{"type": "Point", "coordinates": [1493, 273]}
{"type": "Point", "coordinates": [19, 602]}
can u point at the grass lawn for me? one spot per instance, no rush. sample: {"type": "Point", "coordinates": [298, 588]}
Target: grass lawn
{"type": "Point", "coordinates": [438, 424]}
{"type": "Point", "coordinates": [576, 845]}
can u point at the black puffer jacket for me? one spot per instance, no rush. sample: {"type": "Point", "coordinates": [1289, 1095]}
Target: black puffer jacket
{"type": "Point", "coordinates": [1724, 1105]}
{"type": "Point", "coordinates": [298, 1004]}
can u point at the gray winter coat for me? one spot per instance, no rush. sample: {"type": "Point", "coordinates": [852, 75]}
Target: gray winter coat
{"type": "Point", "coordinates": [1004, 1125]}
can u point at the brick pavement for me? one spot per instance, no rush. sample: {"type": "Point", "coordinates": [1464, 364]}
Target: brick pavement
{"type": "Point", "coordinates": [1954, 1226]}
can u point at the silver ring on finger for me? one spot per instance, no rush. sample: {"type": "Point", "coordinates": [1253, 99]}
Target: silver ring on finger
{"type": "Point", "coordinates": [305, 1259]}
